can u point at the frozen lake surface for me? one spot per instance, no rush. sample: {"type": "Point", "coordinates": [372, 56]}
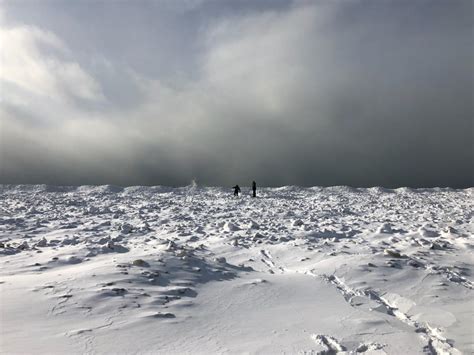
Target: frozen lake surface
{"type": "Point", "coordinates": [105, 269]}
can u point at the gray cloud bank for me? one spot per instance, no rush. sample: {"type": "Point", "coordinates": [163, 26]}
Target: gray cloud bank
{"type": "Point", "coordinates": [358, 93]}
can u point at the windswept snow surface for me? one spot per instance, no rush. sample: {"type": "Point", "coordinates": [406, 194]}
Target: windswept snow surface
{"type": "Point", "coordinates": [105, 269]}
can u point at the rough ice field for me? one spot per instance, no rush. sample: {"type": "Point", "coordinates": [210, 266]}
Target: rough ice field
{"type": "Point", "coordinates": [194, 270]}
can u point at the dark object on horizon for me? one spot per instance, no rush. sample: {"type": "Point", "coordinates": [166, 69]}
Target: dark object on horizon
{"type": "Point", "coordinates": [236, 190]}
{"type": "Point", "coordinates": [254, 189]}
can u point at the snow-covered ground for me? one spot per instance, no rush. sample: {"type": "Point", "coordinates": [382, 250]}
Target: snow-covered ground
{"type": "Point", "coordinates": [104, 269]}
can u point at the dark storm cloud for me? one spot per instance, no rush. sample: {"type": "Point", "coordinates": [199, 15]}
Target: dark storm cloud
{"type": "Point", "coordinates": [313, 93]}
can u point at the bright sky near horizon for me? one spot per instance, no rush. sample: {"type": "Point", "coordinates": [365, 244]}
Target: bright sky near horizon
{"type": "Point", "coordinates": [283, 92]}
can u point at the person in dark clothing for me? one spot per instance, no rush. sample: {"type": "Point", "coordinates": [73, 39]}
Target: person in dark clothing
{"type": "Point", "coordinates": [254, 189]}
{"type": "Point", "coordinates": [236, 190]}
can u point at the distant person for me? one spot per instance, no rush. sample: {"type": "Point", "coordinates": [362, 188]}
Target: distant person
{"type": "Point", "coordinates": [254, 189]}
{"type": "Point", "coordinates": [236, 190]}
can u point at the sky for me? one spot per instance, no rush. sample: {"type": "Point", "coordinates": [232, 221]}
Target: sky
{"type": "Point", "coordinates": [223, 92]}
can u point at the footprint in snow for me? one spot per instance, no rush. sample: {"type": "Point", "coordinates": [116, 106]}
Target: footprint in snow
{"type": "Point", "coordinates": [330, 344]}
